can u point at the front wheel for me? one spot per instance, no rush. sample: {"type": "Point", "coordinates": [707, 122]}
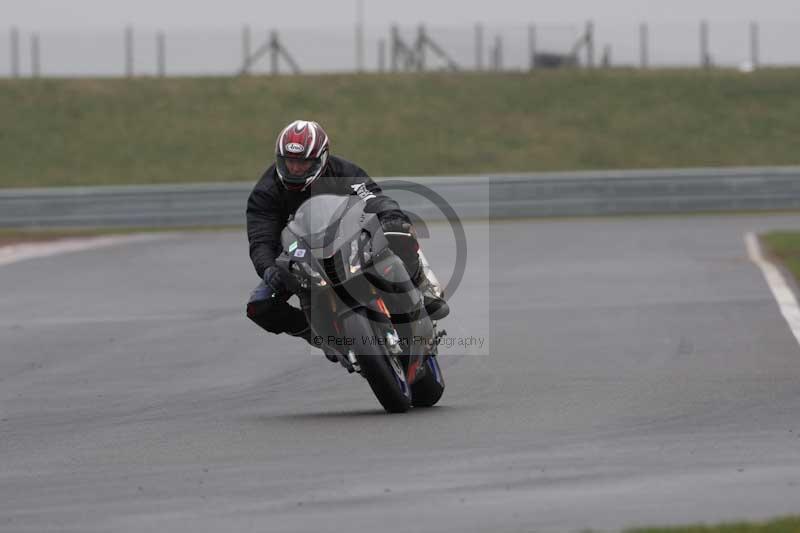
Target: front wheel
{"type": "Point", "coordinates": [429, 388]}
{"type": "Point", "coordinates": [383, 371]}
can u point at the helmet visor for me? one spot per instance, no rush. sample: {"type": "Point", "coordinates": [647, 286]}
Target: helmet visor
{"type": "Point", "coordinates": [297, 170]}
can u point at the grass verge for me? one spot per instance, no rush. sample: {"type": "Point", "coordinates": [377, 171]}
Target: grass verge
{"type": "Point", "coordinates": [782, 525]}
{"type": "Point", "coordinates": [784, 246]}
{"type": "Point", "coordinates": [145, 130]}
{"type": "Point", "coordinates": [19, 236]}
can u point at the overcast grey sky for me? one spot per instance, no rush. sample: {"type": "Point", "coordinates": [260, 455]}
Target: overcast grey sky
{"type": "Point", "coordinates": [314, 13]}
{"type": "Point", "coordinates": [84, 37]}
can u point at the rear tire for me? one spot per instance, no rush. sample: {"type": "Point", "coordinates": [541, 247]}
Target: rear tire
{"type": "Point", "coordinates": [387, 383]}
{"type": "Point", "coordinates": [428, 390]}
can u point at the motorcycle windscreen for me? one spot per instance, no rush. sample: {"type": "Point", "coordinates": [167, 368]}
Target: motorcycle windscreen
{"type": "Point", "coordinates": [317, 220]}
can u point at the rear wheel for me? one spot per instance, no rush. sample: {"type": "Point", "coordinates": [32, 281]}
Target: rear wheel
{"type": "Point", "coordinates": [383, 371]}
{"type": "Point", "coordinates": [428, 389]}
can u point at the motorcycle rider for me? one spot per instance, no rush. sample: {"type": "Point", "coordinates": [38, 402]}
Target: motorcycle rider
{"type": "Point", "coordinates": [302, 158]}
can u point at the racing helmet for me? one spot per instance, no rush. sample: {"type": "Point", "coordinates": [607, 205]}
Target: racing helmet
{"type": "Point", "coordinates": [301, 153]}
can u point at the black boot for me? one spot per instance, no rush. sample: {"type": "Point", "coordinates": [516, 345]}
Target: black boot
{"type": "Point", "coordinates": [435, 305]}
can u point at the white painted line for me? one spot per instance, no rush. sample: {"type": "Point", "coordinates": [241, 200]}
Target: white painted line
{"type": "Point", "coordinates": [787, 301]}
{"type": "Point", "coordinates": [112, 319]}
{"type": "Point", "coordinates": [21, 252]}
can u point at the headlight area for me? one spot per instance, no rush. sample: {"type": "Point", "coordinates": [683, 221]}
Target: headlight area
{"type": "Point", "coordinates": [355, 260]}
{"type": "Point", "coordinates": [308, 276]}
{"type": "Point", "coordinates": [364, 242]}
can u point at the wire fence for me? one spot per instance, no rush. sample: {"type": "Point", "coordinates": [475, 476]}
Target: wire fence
{"type": "Point", "coordinates": [258, 50]}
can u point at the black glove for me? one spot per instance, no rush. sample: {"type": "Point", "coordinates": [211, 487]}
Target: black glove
{"type": "Point", "coordinates": [276, 282]}
{"type": "Point", "coordinates": [402, 238]}
{"type": "Point", "coordinates": [396, 224]}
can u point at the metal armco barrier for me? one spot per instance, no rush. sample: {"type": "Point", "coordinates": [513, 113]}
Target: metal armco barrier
{"type": "Point", "coordinates": [534, 195]}
{"type": "Point", "coordinates": [643, 192]}
{"type": "Point", "coordinates": [129, 206]}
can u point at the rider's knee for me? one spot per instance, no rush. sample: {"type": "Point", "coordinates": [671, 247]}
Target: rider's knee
{"type": "Point", "coordinates": [263, 310]}
{"type": "Point", "coordinates": [274, 315]}
{"type": "Point", "coordinates": [265, 315]}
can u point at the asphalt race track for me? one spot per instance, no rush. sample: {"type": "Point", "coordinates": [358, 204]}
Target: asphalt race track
{"type": "Point", "coordinates": [637, 371]}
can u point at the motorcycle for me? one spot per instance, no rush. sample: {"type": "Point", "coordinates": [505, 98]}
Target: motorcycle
{"type": "Point", "coordinates": [360, 302]}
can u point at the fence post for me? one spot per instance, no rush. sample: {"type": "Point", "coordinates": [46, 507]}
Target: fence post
{"type": "Point", "coordinates": [273, 53]}
{"type": "Point", "coordinates": [705, 56]}
{"type": "Point", "coordinates": [14, 52]}
{"type": "Point", "coordinates": [395, 38]}
{"type": "Point", "coordinates": [36, 60]}
{"type": "Point", "coordinates": [531, 47]}
{"type": "Point", "coordinates": [606, 59]}
{"type": "Point", "coordinates": [478, 46]}
{"type": "Point", "coordinates": [359, 35]}
{"type": "Point", "coordinates": [129, 52]}
{"type": "Point", "coordinates": [246, 49]}
{"type": "Point", "coordinates": [755, 47]}
{"type": "Point", "coordinates": [498, 46]}
{"type": "Point", "coordinates": [420, 48]}
{"type": "Point", "coordinates": [382, 55]}
{"type": "Point", "coordinates": [644, 46]}
{"type": "Point", "coordinates": [161, 54]}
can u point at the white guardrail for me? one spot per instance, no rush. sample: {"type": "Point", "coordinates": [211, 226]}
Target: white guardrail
{"type": "Point", "coordinates": [500, 196]}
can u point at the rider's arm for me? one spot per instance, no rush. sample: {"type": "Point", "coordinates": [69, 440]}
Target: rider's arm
{"type": "Point", "coordinates": [377, 202]}
{"type": "Point", "coordinates": [391, 216]}
{"type": "Point", "coordinates": [264, 225]}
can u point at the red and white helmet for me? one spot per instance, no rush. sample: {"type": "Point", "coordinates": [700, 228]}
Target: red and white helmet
{"type": "Point", "coordinates": [301, 153]}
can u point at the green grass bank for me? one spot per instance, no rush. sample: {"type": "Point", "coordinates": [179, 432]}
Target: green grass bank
{"type": "Point", "coordinates": [784, 247]}
{"type": "Point", "coordinates": [782, 525]}
{"type": "Point", "coordinates": [115, 131]}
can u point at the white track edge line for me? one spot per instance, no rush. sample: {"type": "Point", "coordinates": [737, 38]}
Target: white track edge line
{"type": "Point", "coordinates": [21, 252]}
{"type": "Point", "coordinates": [784, 295]}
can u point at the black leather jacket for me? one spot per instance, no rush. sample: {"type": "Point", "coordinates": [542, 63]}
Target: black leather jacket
{"type": "Point", "coordinates": [270, 205]}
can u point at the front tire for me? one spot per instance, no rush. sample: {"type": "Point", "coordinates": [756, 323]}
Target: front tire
{"type": "Point", "coordinates": [383, 372]}
{"type": "Point", "coordinates": [428, 389]}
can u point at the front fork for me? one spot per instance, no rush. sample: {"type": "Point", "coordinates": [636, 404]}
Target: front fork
{"type": "Point", "coordinates": [428, 271]}
{"type": "Point", "coordinates": [406, 351]}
